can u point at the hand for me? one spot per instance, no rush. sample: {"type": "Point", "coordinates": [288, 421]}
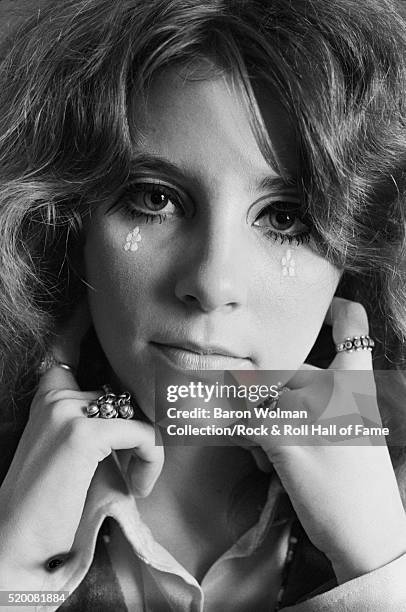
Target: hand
{"type": "Point", "coordinates": [43, 494]}
{"type": "Point", "coordinates": [345, 495]}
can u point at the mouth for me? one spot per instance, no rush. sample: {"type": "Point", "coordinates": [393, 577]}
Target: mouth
{"type": "Point", "coordinates": [193, 356]}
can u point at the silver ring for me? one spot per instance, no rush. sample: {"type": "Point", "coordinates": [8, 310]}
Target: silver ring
{"type": "Point", "coordinates": [356, 343]}
{"type": "Point", "coordinates": [111, 406]}
{"type": "Point", "coordinates": [50, 362]}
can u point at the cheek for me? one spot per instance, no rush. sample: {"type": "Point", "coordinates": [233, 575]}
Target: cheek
{"type": "Point", "coordinates": [291, 306]}
{"type": "Point", "coordinates": [119, 277]}
{"type": "Point", "coordinates": [288, 296]}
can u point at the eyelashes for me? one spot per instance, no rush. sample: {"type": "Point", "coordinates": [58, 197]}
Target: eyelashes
{"type": "Point", "coordinates": [298, 239]}
{"type": "Point", "coordinates": [154, 202]}
{"type": "Point", "coordinates": [147, 217]}
{"type": "Point", "coordinates": [283, 216]}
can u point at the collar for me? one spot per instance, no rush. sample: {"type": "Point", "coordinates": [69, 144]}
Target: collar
{"type": "Point", "coordinates": [109, 496]}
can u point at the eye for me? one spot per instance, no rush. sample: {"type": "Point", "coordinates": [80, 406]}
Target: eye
{"type": "Point", "coordinates": [283, 218]}
{"type": "Point", "coordinates": [151, 201]}
{"type": "Point", "coordinates": [153, 198]}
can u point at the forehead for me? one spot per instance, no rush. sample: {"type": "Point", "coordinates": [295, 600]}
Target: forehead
{"type": "Point", "coordinates": [205, 122]}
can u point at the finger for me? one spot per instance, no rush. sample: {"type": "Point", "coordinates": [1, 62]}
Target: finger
{"type": "Point", "coordinates": [142, 472]}
{"type": "Point", "coordinates": [66, 349]}
{"type": "Point", "coordinates": [116, 434]}
{"type": "Point", "coordinates": [348, 319]}
{"type": "Point", "coordinates": [64, 403]}
{"type": "Point", "coordinates": [145, 464]}
{"type": "Point", "coordinates": [83, 396]}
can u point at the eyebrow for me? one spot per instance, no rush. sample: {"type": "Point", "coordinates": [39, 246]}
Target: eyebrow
{"type": "Point", "coordinates": [146, 162]}
{"type": "Point", "coordinates": [278, 183]}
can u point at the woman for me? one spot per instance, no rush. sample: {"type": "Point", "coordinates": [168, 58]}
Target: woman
{"type": "Point", "coordinates": [199, 185]}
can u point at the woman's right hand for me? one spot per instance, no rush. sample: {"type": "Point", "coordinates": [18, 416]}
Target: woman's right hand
{"type": "Point", "coordinates": [43, 494]}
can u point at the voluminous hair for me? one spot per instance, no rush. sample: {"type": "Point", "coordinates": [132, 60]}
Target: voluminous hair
{"type": "Point", "coordinates": [68, 81]}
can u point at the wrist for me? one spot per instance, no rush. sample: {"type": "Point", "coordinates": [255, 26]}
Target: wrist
{"type": "Point", "coordinates": [363, 560]}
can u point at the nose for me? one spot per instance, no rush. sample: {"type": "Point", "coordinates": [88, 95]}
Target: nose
{"type": "Point", "coordinates": [215, 271]}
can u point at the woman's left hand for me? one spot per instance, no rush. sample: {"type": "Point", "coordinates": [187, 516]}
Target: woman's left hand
{"type": "Point", "coordinates": [344, 492]}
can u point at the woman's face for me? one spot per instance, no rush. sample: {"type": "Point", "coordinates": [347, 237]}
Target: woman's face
{"type": "Point", "coordinates": [224, 276]}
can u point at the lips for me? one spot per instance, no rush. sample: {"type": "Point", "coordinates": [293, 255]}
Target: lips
{"type": "Point", "coordinates": [193, 356]}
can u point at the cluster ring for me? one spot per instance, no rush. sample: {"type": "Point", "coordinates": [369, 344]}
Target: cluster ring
{"type": "Point", "coordinates": [356, 343]}
{"type": "Point", "coordinates": [111, 406]}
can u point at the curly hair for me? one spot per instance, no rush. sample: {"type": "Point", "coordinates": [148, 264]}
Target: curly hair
{"type": "Point", "coordinates": [66, 141]}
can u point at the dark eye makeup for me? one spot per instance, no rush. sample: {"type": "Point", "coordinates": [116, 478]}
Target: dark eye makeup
{"type": "Point", "coordinates": [283, 221]}
{"type": "Point", "coordinates": [154, 202]}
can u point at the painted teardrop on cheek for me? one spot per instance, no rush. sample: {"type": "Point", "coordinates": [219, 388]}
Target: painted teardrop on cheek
{"type": "Point", "coordinates": [288, 264]}
{"type": "Point", "coordinates": [132, 240]}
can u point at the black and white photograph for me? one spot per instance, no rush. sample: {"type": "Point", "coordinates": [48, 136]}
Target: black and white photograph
{"type": "Point", "coordinates": [203, 305]}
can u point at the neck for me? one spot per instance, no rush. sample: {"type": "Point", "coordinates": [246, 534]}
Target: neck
{"type": "Point", "coordinates": [197, 483]}
{"type": "Point", "coordinates": [191, 511]}
{"type": "Point", "coordinates": [198, 472]}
